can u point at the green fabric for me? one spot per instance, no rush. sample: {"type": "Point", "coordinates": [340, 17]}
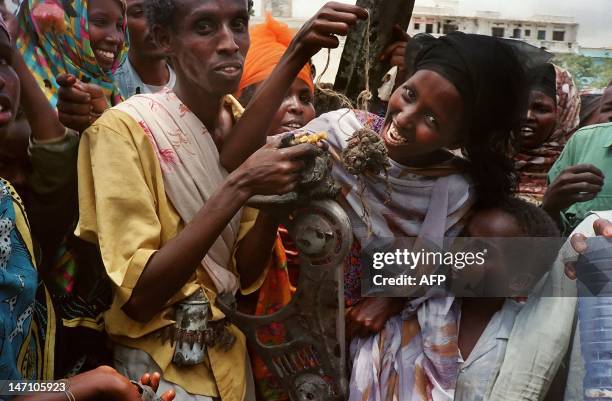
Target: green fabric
{"type": "Point", "coordinates": [589, 145]}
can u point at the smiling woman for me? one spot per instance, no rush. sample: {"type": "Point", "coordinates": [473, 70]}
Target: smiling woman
{"type": "Point", "coordinates": [91, 48]}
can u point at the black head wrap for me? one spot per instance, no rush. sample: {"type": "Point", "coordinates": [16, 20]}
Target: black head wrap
{"type": "Point", "coordinates": [485, 70]}
{"type": "Point", "coordinates": [543, 78]}
{"type": "Point", "coordinates": [489, 74]}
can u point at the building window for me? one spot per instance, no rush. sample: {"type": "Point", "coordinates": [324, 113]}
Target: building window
{"type": "Point", "coordinates": [541, 35]}
{"type": "Point", "coordinates": [527, 32]}
{"type": "Point", "coordinates": [516, 33]}
{"type": "Point", "coordinates": [417, 26]}
{"type": "Point", "coordinates": [429, 28]}
{"type": "Point", "coordinates": [497, 32]}
{"type": "Point", "coordinates": [559, 36]}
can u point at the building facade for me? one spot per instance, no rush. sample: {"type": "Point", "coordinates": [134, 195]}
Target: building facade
{"type": "Point", "coordinates": [555, 34]}
{"type": "Point", "coordinates": [278, 8]}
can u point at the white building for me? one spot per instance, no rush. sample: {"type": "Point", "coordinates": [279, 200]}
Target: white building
{"type": "Point", "coordinates": [556, 34]}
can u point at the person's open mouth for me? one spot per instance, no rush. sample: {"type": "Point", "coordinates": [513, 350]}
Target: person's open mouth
{"type": "Point", "coordinates": [107, 57]}
{"type": "Point", "coordinates": [230, 70]}
{"type": "Point", "coordinates": [6, 110]}
{"type": "Point", "coordinates": [393, 137]}
{"type": "Point", "coordinates": [527, 131]}
{"type": "Point", "coordinates": [292, 125]}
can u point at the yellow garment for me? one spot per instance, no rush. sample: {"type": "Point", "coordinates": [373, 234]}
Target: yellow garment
{"type": "Point", "coordinates": [124, 209]}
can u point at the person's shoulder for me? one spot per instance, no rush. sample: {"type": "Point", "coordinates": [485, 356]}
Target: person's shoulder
{"type": "Point", "coordinates": [601, 132]}
{"type": "Point", "coordinates": [118, 120]}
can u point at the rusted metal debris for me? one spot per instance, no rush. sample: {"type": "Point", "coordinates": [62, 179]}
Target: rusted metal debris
{"type": "Point", "coordinates": [384, 14]}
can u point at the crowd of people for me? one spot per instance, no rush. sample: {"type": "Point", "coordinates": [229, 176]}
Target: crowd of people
{"type": "Point", "coordinates": [134, 132]}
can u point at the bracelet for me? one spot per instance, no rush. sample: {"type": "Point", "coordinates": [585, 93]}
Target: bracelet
{"type": "Point", "coordinates": [70, 396]}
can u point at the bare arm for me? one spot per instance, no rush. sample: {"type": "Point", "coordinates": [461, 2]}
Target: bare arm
{"type": "Point", "coordinates": [101, 383]}
{"type": "Point", "coordinates": [253, 251]}
{"type": "Point", "coordinates": [249, 133]}
{"type": "Point", "coordinates": [42, 117]}
{"type": "Point", "coordinates": [269, 171]}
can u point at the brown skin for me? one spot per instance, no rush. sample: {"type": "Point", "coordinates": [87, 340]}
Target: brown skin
{"type": "Point", "coordinates": [296, 110]}
{"type": "Point", "coordinates": [395, 53]}
{"type": "Point", "coordinates": [9, 19]}
{"type": "Point", "coordinates": [103, 383]}
{"type": "Point", "coordinates": [601, 227]}
{"type": "Point", "coordinates": [80, 104]}
{"type": "Point", "coordinates": [268, 171]}
{"type": "Point", "coordinates": [605, 110]}
{"type": "Point", "coordinates": [477, 312]}
{"type": "Point", "coordinates": [578, 183]}
{"type": "Point", "coordinates": [146, 57]}
{"type": "Point", "coordinates": [539, 122]}
{"type": "Point", "coordinates": [250, 131]}
{"type": "Point", "coordinates": [215, 31]}
{"type": "Point", "coordinates": [106, 21]}
{"type": "Point", "coordinates": [427, 111]}
{"type": "Point", "coordinates": [14, 162]}
{"type": "Point", "coordinates": [10, 90]}
{"type": "Point", "coordinates": [370, 315]}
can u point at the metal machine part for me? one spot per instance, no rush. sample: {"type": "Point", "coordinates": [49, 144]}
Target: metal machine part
{"type": "Point", "coordinates": [146, 392]}
{"type": "Point", "coordinates": [310, 363]}
{"type": "Point", "coordinates": [316, 183]}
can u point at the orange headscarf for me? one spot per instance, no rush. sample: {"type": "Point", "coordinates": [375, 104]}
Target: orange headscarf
{"type": "Point", "coordinates": [268, 43]}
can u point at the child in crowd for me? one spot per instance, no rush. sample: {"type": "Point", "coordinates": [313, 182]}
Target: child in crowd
{"type": "Point", "coordinates": [484, 325]}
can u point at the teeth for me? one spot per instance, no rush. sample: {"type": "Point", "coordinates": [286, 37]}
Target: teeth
{"type": "Point", "coordinates": [294, 125]}
{"type": "Point", "coordinates": [229, 69]}
{"type": "Point", "coordinates": [394, 135]}
{"type": "Point", "coordinates": [109, 55]}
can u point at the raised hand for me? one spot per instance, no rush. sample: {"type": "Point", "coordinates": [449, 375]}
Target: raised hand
{"type": "Point", "coordinates": [370, 315]}
{"type": "Point", "coordinates": [578, 183]}
{"type": "Point", "coordinates": [79, 104]}
{"type": "Point", "coordinates": [319, 31]}
{"type": "Point", "coordinates": [578, 241]}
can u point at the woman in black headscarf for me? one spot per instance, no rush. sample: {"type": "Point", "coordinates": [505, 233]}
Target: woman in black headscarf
{"type": "Point", "coordinates": [464, 92]}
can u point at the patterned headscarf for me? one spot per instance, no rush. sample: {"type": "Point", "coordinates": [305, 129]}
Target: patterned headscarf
{"type": "Point", "coordinates": [48, 54]}
{"type": "Point", "coordinates": [533, 164]}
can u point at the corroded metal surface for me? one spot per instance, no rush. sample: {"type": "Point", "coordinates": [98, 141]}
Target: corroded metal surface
{"type": "Point", "coordinates": [350, 78]}
{"type": "Point", "coordinates": [310, 362]}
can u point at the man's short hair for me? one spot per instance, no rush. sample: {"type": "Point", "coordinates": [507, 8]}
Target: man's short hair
{"type": "Point", "coordinates": [161, 12]}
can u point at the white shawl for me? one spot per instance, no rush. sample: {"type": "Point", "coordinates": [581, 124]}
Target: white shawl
{"type": "Point", "coordinates": [190, 166]}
